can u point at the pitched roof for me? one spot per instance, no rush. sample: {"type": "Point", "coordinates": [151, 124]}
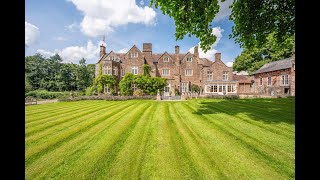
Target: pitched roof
{"type": "Point", "coordinates": [276, 65]}
{"type": "Point", "coordinates": [242, 78]}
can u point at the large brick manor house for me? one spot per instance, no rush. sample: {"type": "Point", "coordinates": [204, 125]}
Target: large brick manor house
{"type": "Point", "coordinates": [181, 70]}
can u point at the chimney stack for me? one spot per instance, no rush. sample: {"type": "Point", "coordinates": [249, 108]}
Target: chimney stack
{"type": "Point", "coordinates": [196, 52]}
{"type": "Point", "coordinates": [147, 49]}
{"type": "Point", "coordinates": [102, 50]}
{"type": "Point", "coordinates": [217, 57]}
{"type": "Point", "coordinates": [177, 49]}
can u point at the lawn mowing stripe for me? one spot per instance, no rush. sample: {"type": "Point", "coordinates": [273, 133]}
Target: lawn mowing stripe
{"type": "Point", "coordinates": [279, 166]}
{"type": "Point", "coordinates": [178, 157]}
{"type": "Point", "coordinates": [282, 131]}
{"type": "Point", "coordinates": [262, 109]}
{"type": "Point", "coordinates": [125, 162]}
{"type": "Point", "coordinates": [149, 164]}
{"type": "Point", "coordinates": [234, 125]}
{"type": "Point", "coordinates": [142, 171]}
{"type": "Point", "coordinates": [54, 107]}
{"type": "Point", "coordinates": [263, 126]}
{"type": "Point", "coordinates": [69, 135]}
{"type": "Point", "coordinates": [219, 144]}
{"type": "Point", "coordinates": [49, 119]}
{"type": "Point", "coordinates": [65, 126]}
{"type": "Point", "coordinates": [62, 120]}
{"type": "Point", "coordinates": [187, 138]}
{"type": "Point", "coordinates": [260, 119]}
{"type": "Point", "coordinates": [103, 146]}
{"type": "Point", "coordinates": [107, 158]}
{"type": "Point", "coordinates": [45, 108]}
{"type": "Point", "coordinates": [68, 154]}
{"type": "Point", "coordinates": [51, 115]}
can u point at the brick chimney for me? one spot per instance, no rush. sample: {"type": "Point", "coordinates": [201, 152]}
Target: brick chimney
{"type": "Point", "coordinates": [177, 49]}
{"type": "Point", "coordinates": [217, 57]}
{"type": "Point", "coordinates": [102, 50]}
{"type": "Point", "coordinates": [196, 52]}
{"type": "Point", "coordinates": [147, 49]}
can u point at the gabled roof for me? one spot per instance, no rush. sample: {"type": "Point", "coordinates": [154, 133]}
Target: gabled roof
{"type": "Point", "coordinates": [164, 54]}
{"type": "Point", "coordinates": [275, 65]}
{"type": "Point", "coordinates": [131, 48]}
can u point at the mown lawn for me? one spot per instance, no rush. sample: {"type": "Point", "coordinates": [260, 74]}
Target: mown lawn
{"type": "Point", "coordinates": [145, 139]}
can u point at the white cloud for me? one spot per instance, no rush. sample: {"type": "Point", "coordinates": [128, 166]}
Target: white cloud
{"type": "Point", "coordinates": [75, 53]}
{"type": "Point", "coordinates": [45, 53]}
{"type": "Point", "coordinates": [217, 31]}
{"type": "Point", "coordinates": [224, 10]}
{"type": "Point", "coordinates": [72, 27]}
{"type": "Point", "coordinates": [229, 64]}
{"type": "Point", "coordinates": [59, 38]}
{"type": "Point", "coordinates": [124, 50]}
{"type": "Point", "coordinates": [32, 34]}
{"type": "Point", "coordinates": [141, 2]}
{"type": "Point", "coordinates": [101, 17]}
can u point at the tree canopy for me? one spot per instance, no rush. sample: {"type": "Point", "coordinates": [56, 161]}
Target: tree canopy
{"type": "Point", "coordinates": [253, 20]}
{"type": "Point", "coordinates": [53, 75]}
{"type": "Point", "coordinates": [251, 59]}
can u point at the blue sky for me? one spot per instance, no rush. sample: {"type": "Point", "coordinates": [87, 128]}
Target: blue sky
{"type": "Point", "coordinates": [74, 29]}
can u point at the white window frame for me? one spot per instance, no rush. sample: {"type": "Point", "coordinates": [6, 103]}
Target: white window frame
{"type": "Point", "coordinates": [106, 89]}
{"type": "Point", "coordinates": [107, 70]}
{"type": "Point", "coordinates": [225, 76]}
{"type": "Point", "coordinates": [210, 75]}
{"type": "Point", "coordinates": [269, 80]}
{"type": "Point", "coordinates": [189, 59]}
{"type": "Point", "coordinates": [111, 57]}
{"type": "Point", "coordinates": [215, 88]}
{"type": "Point", "coordinates": [134, 54]}
{"type": "Point", "coordinates": [229, 88]}
{"type": "Point", "coordinates": [134, 70]}
{"type": "Point", "coordinates": [186, 74]}
{"type": "Point", "coordinates": [284, 79]}
{"type": "Point", "coordinates": [165, 70]}
{"type": "Point", "coordinates": [134, 87]}
{"type": "Point", "coordinates": [165, 59]}
{"type": "Point", "coordinates": [184, 87]}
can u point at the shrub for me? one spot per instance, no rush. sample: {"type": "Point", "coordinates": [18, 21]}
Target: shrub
{"type": "Point", "coordinates": [92, 90]}
{"type": "Point", "coordinates": [220, 96]}
{"type": "Point", "coordinates": [44, 94]}
{"type": "Point", "coordinates": [108, 98]}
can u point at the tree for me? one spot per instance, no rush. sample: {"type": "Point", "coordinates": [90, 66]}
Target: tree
{"type": "Point", "coordinates": [195, 88]}
{"type": "Point", "coordinates": [253, 19]}
{"type": "Point", "coordinates": [126, 83]}
{"type": "Point", "coordinates": [192, 17]}
{"type": "Point", "coordinates": [251, 59]}
{"type": "Point", "coordinates": [146, 70]}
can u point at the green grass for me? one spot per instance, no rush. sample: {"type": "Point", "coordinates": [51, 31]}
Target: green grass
{"type": "Point", "coordinates": [146, 139]}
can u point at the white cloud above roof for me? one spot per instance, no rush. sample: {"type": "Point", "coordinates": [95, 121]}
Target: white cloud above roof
{"type": "Point", "coordinates": [217, 31]}
{"type": "Point", "coordinates": [102, 17]}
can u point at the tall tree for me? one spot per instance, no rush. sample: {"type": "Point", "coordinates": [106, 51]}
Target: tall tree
{"type": "Point", "coordinates": [253, 19]}
{"type": "Point", "coordinates": [251, 59]}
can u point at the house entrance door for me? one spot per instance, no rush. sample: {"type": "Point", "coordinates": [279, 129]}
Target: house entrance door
{"type": "Point", "coordinates": [166, 91]}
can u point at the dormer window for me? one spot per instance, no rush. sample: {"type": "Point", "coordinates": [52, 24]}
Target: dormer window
{"type": "Point", "coordinates": [111, 57]}
{"type": "Point", "coordinates": [134, 55]}
{"type": "Point", "coordinates": [189, 59]}
{"type": "Point", "coordinates": [165, 59]}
